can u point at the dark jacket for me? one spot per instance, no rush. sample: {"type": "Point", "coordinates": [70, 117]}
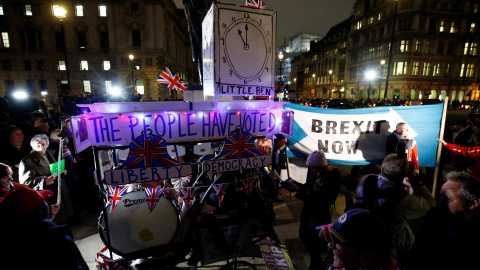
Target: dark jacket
{"type": "Point", "coordinates": [33, 170]}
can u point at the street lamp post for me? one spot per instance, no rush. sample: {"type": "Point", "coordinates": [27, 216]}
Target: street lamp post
{"type": "Point", "coordinates": [370, 75]}
{"type": "Point", "coordinates": [280, 77]}
{"type": "Point", "coordinates": [313, 83]}
{"type": "Point", "coordinates": [391, 49]}
{"type": "Point", "coordinates": [330, 83]}
{"type": "Point", "coordinates": [61, 13]}
{"type": "Point", "coordinates": [295, 89]}
{"type": "Point", "coordinates": [131, 57]}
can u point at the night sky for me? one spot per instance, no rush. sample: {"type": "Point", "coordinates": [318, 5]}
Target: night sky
{"type": "Point", "coordinates": [316, 16]}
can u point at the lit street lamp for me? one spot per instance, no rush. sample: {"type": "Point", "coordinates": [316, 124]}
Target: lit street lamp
{"type": "Point", "coordinates": [391, 49]}
{"type": "Point", "coordinates": [330, 82]}
{"type": "Point", "coordinates": [313, 83]}
{"type": "Point", "coordinates": [61, 13]}
{"type": "Point", "coordinates": [370, 75]}
{"type": "Point", "coordinates": [131, 57]}
{"type": "Point", "coordinates": [382, 63]}
{"type": "Point", "coordinates": [280, 77]}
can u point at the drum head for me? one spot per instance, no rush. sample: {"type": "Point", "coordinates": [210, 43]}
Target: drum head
{"type": "Point", "coordinates": [133, 228]}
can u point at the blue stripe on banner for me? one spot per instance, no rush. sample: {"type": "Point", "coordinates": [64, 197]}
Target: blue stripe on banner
{"type": "Point", "coordinates": [338, 131]}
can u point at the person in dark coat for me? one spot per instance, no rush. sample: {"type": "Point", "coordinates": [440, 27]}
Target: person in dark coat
{"type": "Point", "coordinates": [30, 240]}
{"type": "Point", "coordinates": [318, 194]}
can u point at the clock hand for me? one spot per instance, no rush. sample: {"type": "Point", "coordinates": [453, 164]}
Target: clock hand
{"type": "Point", "coordinates": [240, 34]}
{"type": "Point", "coordinates": [246, 34]}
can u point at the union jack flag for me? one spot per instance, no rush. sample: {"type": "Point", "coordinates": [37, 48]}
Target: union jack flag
{"type": "Point", "coordinates": [220, 191]}
{"type": "Point", "coordinates": [249, 184]}
{"type": "Point", "coordinates": [188, 195]}
{"type": "Point", "coordinates": [110, 264]}
{"type": "Point", "coordinates": [255, 4]}
{"type": "Point", "coordinates": [240, 144]}
{"type": "Point", "coordinates": [153, 196]}
{"type": "Point", "coordinates": [67, 153]}
{"type": "Point", "coordinates": [115, 194]}
{"type": "Point", "coordinates": [148, 151]}
{"type": "Point", "coordinates": [187, 178]}
{"type": "Point", "coordinates": [172, 81]}
{"type": "Point", "coordinates": [327, 232]}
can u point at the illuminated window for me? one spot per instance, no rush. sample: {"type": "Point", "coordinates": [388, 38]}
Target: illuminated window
{"type": "Point", "coordinates": [1, 10]}
{"type": "Point", "coordinates": [379, 16]}
{"type": "Point", "coordinates": [415, 68]}
{"type": "Point", "coordinates": [5, 40]}
{"type": "Point", "coordinates": [28, 10]}
{"type": "Point", "coordinates": [108, 87]}
{"type": "Point", "coordinates": [400, 68]}
{"type": "Point", "coordinates": [472, 27]}
{"type": "Point", "coordinates": [102, 11]}
{"type": "Point", "coordinates": [436, 70]}
{"type": "Point", "coordinates": [106, 65]}
{"type": "Point", "coordinates": [453, 27]}
{"type": "Point", "coordinates": [370, 20]}
{"type": "Point", "coordinates": [446, 70]}
{"type": "Point", "coordinates": [371, 53]}
{"type": "Point", "coordinates": [404, 45]}
{"type": "Point", "coordinates": [465, 49]}
{"type": "Point", "coordinates": [139, 86]}
{"type": "Point", "coordinates": [79, 10]}
{"type": "Point", "coordinates": [475, 8]}
{"type": "Point", "coordinates": [83, 65]}
{"type": "Point", "coordinates": [61, 65]}
{"type": "Point", "coordinates": [470, 70]}
{"type": "Point", "coordinates": [474, 48]}
{"type": "Point", "coordinates": [418, 46]}
{"type": "Point", "coordinates": [426, 69]}
{"type": "Point", "coordinates": [86, 87]}
{"type": "Point", "coordinates": [442, 26]}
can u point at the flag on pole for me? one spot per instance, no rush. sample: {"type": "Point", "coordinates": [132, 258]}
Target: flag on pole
{"type": "Point", "coordinates": [153, 197]}
{"type": "Point", "coordinates": [67, 153]}
{"type": "Point", "coordinates": [255, 4]}
{"type": "Point", "coordinates": [172, 81]}
{"type": "Point", "coordinates": [103, 258]}
{"type": "Point", "coordinates": [115, 194]}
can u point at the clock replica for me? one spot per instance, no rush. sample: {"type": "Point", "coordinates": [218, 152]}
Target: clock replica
{"type": "Point", "coordinates": [243, 43]}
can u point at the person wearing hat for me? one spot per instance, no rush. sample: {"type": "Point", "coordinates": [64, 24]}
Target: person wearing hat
{"type": "Point", "coordinates": [13, 150]}
{"type": "Point", "coordinates": [318, 195]}
{"type": "Point", "coordinates": [32, 241]}
{"type": "Point", "coordinates": [6, 181]}
{"type": "Point", "coordinates": [358, 240]}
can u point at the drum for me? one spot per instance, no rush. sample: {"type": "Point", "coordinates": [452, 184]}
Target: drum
{"type": "Point", "coordinates": [133, 228]}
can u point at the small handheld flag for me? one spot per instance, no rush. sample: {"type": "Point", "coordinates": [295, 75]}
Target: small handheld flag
{"type": "Point", "coordinates": [172, 81]}
{"type": "Point", "coordinates": [255, 4]}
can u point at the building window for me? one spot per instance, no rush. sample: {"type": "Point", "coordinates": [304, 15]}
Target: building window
{"type": "Point", "coordinates": [79, 10]}
{"type": "Point", "coordinates": [1, 10]}
{"type": "Point", "coordinates": [31, 86]}
{"type": "Point", "coordinates": [28, 10]}
{"type": "Point", "coordinates": [10, 85]}
{"type": "Point", "coordinates": [7, 64]}
{"type": "Point", "coordinates": [40, 65]}
{"type": "Point", "coordinates": [134, 7]}
{"type": "Point", "coordinates": [82, 40]}
{"type": "Point", "coordinates": [5, 40]}
{"type": "Point", "coordinates": [472, 27]}
{"type": "Point", "coordinates": [430, 45]}
{"type": "Point", "coordinates": [108, 87]}
{"type": "Point", "coordinates": [61, 65]}
{"type": "Point", "coordinates": [83, 65]}
{"type": "Point", "coordinates": [436, 70]}
{"type": "Point", "coordinates": [453, 27]}
{"type": "Point", "coordinates": [379, 51]}
{"type": "Point", "coordinates": [404, 45]}
{"type": "Point", "coordinates": [136, 38]}
{"type": "Point", "coordinates": [440, 47]}
{"type": "Point", "coordinates": [27, 65]}
{"type": "Point", "coordinates": [379, 16]}
{"type": "Point", "coordinates": [370, 20]}
{"type": "Point", "coordinates": [450, 48]}
{"type": "Point", "coordinates": [418, 46]}
{"type": "Point", "coordinates": [400, 68]}
{"type": "Point", "coordinates": [371, 53]}
{"type": "Point", "coordinates": [471, 48]}
{"type": "Point", "coordinates": [139, 86]}
{"type": "Point", "coordinates": [104, 40]}
{"type": "Point", "coordinates": [475, 8]}
{"type": "Point", "coordinates": [102, 10]}
{"type": "Point", "coordinates": [470, 70]}
{"type": "Point", "coordinates": [106, 65]}
{"type": "Point", "coordinates": [426, 69]}
{"type": "Point", "coordinates": [415, 68]}
{"type": "Point", "coordinates": [137, 64]}
{"type": "Point", "coordinates": [442, 26]}
{"type": "Point", "coordinates": [43, 85]}
{"type": "Point", "coordinates": [446, 70]}
{"type": "Point", "coordinates": [86, 87]}
{"type": "Point", "coordinates": [432, 27]}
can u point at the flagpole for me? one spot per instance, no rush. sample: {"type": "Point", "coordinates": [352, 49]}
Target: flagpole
{"type": "Point", "coordinates": [439, 147]}
{"type": "Point", "coordinates": [59, 177]}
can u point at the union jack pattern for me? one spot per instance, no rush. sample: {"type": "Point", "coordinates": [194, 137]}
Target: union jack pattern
{"type": "Point", "coordinates": [172, 81]}
{"type": "Point", "coordinates": [240, 144]}
{"type": "Point", "coordinates": [256, 4]}
{"type": "Point", "coordinates": [188, 195]}
{"type": "Point", "coordinates": [187, 178]}
{"type": "Point", "coordinates": [327, 232]}
{"type": "Point", "coordinates": [220, 191]}
{"type": "Point", "coordinates": [148, 151]}
{"type": "Point", "coordinates": [67, 153]}
{"type": "Point", "coordinates": [153, 196]}
{"type": "Point", "coordinates": [109, 263]}
{"type": "Point", "coordinates": [115, 194]}
{"type": "Point", "coordinates": [248, 185]}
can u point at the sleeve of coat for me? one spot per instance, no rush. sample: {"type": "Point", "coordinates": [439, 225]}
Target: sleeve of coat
{"type": "Point", "coordinates": [418, 204]}
{"type": "Point", "coordinates": [26, 176]}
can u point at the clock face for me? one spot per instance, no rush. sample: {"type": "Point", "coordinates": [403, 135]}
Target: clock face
{"type": "Point", "coordinates": [246, 48]}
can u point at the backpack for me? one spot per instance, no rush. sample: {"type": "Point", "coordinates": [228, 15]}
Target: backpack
{"type": "Point", "coordinates": [368, 195]}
